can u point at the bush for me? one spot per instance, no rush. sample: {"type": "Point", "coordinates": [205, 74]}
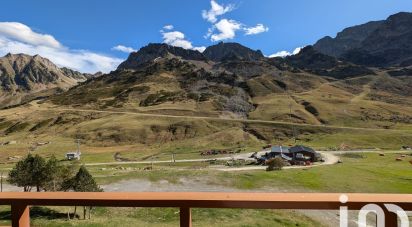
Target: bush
{"type": "Point", "coordinates": [19, 126]}
{"type": "Point", "coordinates": [193, 96]}
{"type": "Point", "coordinates": [161, 97]}
{"type": "Point", "coordinates": [275, 164]}
{"type": "Point", "coordinates": [41, 124]}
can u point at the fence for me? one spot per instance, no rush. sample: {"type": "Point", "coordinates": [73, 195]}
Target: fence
{"type": "Point", "coordinates": [20, 202]}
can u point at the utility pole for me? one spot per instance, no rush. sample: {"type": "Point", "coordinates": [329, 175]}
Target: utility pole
{"type": "Point", "coordinates": [78, 145]}
{"type": "Point", "coordinates": [1, 182]}
{"type": "Point", "coordinates": [78, 149]}
{"type": "Point", "coordinates": [293, 126]}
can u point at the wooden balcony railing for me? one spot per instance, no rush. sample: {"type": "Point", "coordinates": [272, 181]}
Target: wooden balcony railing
{"type": "Point", "coordinates": [21, 201]}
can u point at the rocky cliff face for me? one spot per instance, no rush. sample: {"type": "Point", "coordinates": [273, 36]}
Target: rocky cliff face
{"type": "Point", "coordinates": [348, 39]}
{"type": "Point", "coordinates": [379, 44]}
{"type": "Point", "coordinates": [389, 45]}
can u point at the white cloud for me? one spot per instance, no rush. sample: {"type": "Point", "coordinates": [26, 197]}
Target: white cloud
{"type": "Point", "coordinates": [285, 53]}
{"type": "Point", "coordinates": [124, 49]}
{"type": "Point", "coordinates": [21, 32]}
{"type": "Point", "coordinates": [227, 29]}
{"type": "Point", "coordinates": [216, 10]}
{"type": "Point", "coordinates": [168, 27]}
{"type": "Point", "coordinates": [259, 28]}
{"type": "Point", "coordinates": [176, 38]}
{"type": "Point", "coordinates": [18, 38]}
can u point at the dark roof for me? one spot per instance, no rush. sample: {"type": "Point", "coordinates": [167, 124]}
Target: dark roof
{"type": "Point", "coordinates": [300, 149]}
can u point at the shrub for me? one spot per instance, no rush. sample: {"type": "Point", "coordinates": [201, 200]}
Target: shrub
{"type": "Point", "coordinates": [19, 126]}
{"type": "Point", "coordinates": [161, 97]}
{"type": "Point", "coordinates": [275, 164]}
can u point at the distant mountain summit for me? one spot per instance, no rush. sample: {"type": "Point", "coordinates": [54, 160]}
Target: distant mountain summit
{"type": "Point", "coordinates": [23, 75]}
{"type": "Point", "coordinates": [348, 39]}
{"type": "Point", "coordinates": [221, 52]}
{"type": "Point", "coordinates": [231, 52]}
{"type": "Point", "coordinates": [153, 51]}
{"type": "Point", "coordinates": [379, 44]}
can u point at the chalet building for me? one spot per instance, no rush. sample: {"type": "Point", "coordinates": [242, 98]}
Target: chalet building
{"type": "Point", "coordinates": [295, 153]}
{"type": "Point", "coordinates": [73, 155]}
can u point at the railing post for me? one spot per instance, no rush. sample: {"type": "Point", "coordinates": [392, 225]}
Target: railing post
{"type": "Point", "coordinates": [391, 219]}
{"type": "Point", "coordinates": [185, 217]}
{"type": "Point", "coordinates": [20, 215]}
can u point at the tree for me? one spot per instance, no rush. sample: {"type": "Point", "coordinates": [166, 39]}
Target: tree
{"type": "Point", "coordinates": [82, 182]}
{"type": "Point", "coordinates": [29, 172]}
{"type": "Point", "coordinates": [35, 171]}
{"type": "Point", "coordinates": [275, 164]}
{"type": "Point", "coordinates": [57, 175]}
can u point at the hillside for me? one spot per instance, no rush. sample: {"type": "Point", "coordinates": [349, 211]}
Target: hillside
{"type": "Point", "coordinates": [173, 79]}
{"type": "Point", "coordinates": [183, 95]}
{"type": "Point", "coordinates": [25, 77]}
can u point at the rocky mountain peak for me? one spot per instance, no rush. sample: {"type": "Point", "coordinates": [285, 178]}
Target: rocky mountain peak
{"type": "Point", "coordinates": [22, 75]}
{"type": "Point", "coordinates": [232, 51]}
{"type": "Point", "coordinates": [153, 51]}
{"type": "Point", "coordinates": [401, 16]}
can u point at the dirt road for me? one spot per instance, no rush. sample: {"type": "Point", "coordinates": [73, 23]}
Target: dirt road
{"type": "Point", "coordinates": [329, 158]}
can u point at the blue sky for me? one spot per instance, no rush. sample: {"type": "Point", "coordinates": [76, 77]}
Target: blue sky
{"type": "Point", "coordinates": [83, 34]}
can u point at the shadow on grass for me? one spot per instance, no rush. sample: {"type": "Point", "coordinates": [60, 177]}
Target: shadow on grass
{"type": "Point", "coordinates": [38, 212]}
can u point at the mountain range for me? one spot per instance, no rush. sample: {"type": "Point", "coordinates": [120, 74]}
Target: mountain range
{"type": "Point", "coordinates": [327, 84]}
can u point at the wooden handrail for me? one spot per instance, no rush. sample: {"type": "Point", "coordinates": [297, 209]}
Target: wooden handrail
{"type": "Point", "coordinates": [20, 201]}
